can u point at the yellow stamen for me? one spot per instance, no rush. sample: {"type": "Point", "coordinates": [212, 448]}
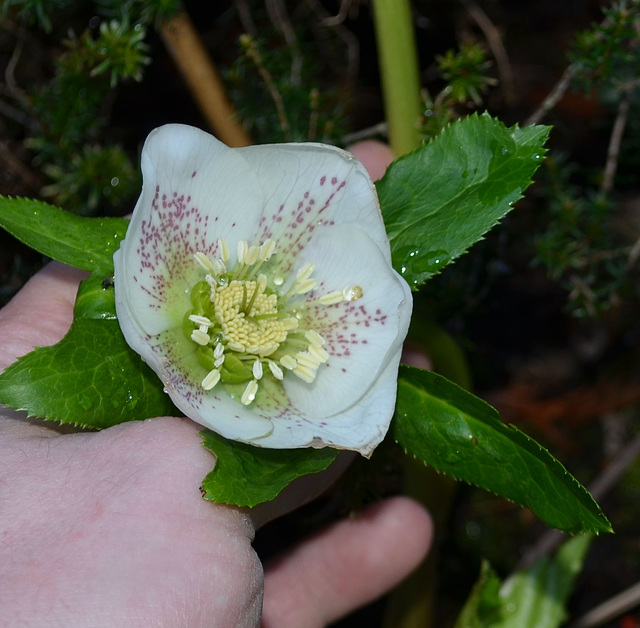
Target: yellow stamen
{"type": "Point", "coordinates": [276, 371]}
{"type": "Point", "coordinates": [305, 373]}
{"type": "Point", "coordinates": [331, 298]}
{"type": "Point", "coordinates": [212, 378]}
{"type": "Point", "coordinates": [224, 250]}
{"type": "Point", "coordinates": [314, 338]}
{"type": "Point", "coordinates": [200, 337]}
{"type": "Point", "coordinates": [204, 261]}
{"type": "Point", "coordinates": [249, 393]}
{"type": "Point", "coordinates": [288, 361]}
{"type": "Point", "coordinates": [318, 353]}
{"type": "Point", "coordinates": [201, 321]}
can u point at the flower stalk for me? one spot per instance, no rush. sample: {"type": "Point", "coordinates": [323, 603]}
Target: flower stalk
{"type": "Point", "coordinates": [400, 78]}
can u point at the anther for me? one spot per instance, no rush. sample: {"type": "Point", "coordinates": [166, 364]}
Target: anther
{"type": "Point", "coordinates": [212, 378]}
{"type": "Point", "coordinates": [305, 373]}
{"type": "Point", "coordinates": [204, 261]}
{"type": "Point", "coordinates": [331, 298]}
{"type": "Point", "coordinates": [212, 282]}
{"type": "Point", "coordinates": [219, 267]}
{"type": "Point", "coordinates": [257, 370]}
{"type": "Point", "coordinates": [249, 393]}
{"type": "Point", "coordinates": [251, 256]}
{"type": "Point", "coordinates": [200, 337]}
{"type": "Point", "coordinates": [242, 251]}
{"type": "Point", "coordinates": [306, 359]}
{"type": "Point", "coordinates": [318, 353]}
{"type": "Point", "coordinates": [224, 250]}
{"type": "Point", "coordinates": [305, 286]}
{"type": "Point", "coordinates": [289, 324]}
{"type": "Point", "coordinates": [267, 249]}
{"type": "Point", "coordinates": [201, 321]}
{"type": "Point", "coordinates": [264, 350]}
{"type": "Point", "coordinates": [314, 338]}
{"type": "Point", "coordinates": [261, 282]}
{"type": "Point", "coordinates": [305, 272]}
{"type": "Point", "coordinates": [276, 371]}
{"type": "Point", "coordinates": [288, 361]}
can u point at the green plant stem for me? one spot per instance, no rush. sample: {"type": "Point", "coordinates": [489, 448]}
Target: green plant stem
{"type": "Point", "coordinates": [398, 60]}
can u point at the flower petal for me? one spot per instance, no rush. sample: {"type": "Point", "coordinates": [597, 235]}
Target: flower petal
{"type": "Point", "coordinates": [172, 356]}
{"type": "Point", "coordinates": [309, 185]}
{"type": "Point", "coordinates": [361, 334]}
{"type": "Point", "coordinates": [363, 426]}
{"type": "Point", "coordinates": [351, 401]}
{"type": "Point", "coordinates": [190, 198]}
{"type": "Point", "coordinates": [319, 207]}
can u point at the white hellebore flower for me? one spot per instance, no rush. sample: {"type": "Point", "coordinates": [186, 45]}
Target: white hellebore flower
{"type": "Point", "coordinates": [257, 283]}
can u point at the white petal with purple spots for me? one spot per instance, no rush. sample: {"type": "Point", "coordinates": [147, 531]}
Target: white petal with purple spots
{"type": "Point", "coordinates": [329, 377]}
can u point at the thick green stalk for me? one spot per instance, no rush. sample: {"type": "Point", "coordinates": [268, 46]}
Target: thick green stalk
{"type": "Point", "coordinates": [398, 62]}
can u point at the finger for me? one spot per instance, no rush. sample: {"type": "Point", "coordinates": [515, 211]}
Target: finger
{"type": "Point", "coordinates": [375, 156]}
{"type": "Point", "coordinates": [40, 314]}
{"type": "Point", "coordinates": [346, 566]}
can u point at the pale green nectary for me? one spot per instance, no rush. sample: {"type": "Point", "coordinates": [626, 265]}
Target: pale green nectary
{"type": "Point", "coordinates": [257, 283]}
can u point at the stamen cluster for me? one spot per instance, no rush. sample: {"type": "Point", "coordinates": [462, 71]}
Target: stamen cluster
{"type": "Point", "coordinates": [246, 330]}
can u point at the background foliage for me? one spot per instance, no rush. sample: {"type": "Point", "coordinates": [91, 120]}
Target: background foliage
{"type": "Point", "coordinates": [545, 308]}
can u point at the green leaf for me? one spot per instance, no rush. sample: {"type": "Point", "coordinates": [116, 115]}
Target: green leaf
{"type": "Point", "coordinates": [86, 243]}
{"type": "Point", "coordinates": [458, 434]}
{"type": "Point", "coordinates": [440, 199]}
{"type": "Point", "coordinates": [95, 299]}
{"type": "Point", "coordinates": [246, 475]}
{"type": "Point", "coordinates": [91, 378]}
{"type": "Point", "coordinates": [537, 597]}
{"type": "Point", "coordinates": [483, 606]}
{"type": "Point", "coordinates": [533, 598]}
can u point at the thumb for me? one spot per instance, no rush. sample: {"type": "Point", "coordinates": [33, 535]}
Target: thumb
{"type": "Point", "coordinates": [41, 313]}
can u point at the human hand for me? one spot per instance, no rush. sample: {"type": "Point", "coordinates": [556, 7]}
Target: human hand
{"type": "Point", "coordinates": [110, 529]}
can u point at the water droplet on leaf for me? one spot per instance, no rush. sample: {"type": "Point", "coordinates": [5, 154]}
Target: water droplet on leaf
{"type": "Point", "coordinates": [436, 260]}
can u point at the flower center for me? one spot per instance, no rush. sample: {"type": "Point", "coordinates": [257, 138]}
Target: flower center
{"type": "Point", "coordinates": [248, 317]}
{"type": "Point", "coordinates": [246, 329]}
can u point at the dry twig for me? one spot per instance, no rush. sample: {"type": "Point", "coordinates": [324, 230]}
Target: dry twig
{"type": "Point", "coordinates": [492, 35]}
{"type": "Point", "coordinates": [280, 19]}
{"type": "Point", "coordinates": [251, 50]}
{"type": "Point", "coordinates": [186, 48]}
{"type": "Point", "coordinates": [615, 141]}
